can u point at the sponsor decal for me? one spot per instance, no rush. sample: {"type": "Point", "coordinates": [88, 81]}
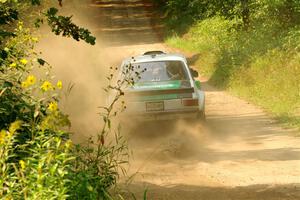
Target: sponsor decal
{"type": "Point", "coordinates": [164, 85]}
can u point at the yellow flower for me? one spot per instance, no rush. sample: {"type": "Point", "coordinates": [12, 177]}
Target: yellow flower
{"type": "Point", "coordinates": [35, 39]}
{"type": "Point", "coordinates": [47, 86]}
{"type": "Point", "coordinates": [14, 126]}
{"type": "Point", "coordinates": [22, 164]}
{"type": "Point", "coordinates": [13, 65]}
{"type": "Point", "coordinates": [31, 80]}
{"type": "Point", "coordinates": [24, 84]}
{"type": "Point", "coordinates": [59, 84]}
{"type": "Point", "coordinates": [23, 61]}
{"type": "Point", "coordinates": [2, 136]}
{"type": "Point", "coordinates": [52, 106]}
{"type": "Point", "coordinates": [20, 26]}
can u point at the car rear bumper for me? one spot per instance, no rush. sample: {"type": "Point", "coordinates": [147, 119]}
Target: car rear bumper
{"type": "Point", "coordinates": [161, 116]}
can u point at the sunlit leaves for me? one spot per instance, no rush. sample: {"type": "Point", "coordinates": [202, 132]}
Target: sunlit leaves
{"type": "Point", "coordinates": [8, 14]}
{"type": "Point", "coordinates": [283, 10]}
{"type": "Point", "coordinates": [60, 25]}
{"type": "Point", "coordinates": [63, 25]}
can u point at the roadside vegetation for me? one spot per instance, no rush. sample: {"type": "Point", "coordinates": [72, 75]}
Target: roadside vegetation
{"type": "Point", "coordinates": [37, 157]}
{"type": "Point", "coordinates": [249, 47]}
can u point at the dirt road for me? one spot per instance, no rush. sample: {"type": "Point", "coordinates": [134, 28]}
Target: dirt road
{"type": "Point", "coordinates": [240, 153]}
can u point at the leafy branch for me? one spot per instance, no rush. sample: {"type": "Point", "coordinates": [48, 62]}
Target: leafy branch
{"type": "Point", "coordinates": [60, 25]}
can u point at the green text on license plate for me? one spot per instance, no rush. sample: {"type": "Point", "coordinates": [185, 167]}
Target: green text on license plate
{"type": "Point", "coordinates": [155, 106]}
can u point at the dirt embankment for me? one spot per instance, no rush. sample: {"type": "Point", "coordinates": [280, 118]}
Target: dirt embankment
{"type": "Point", "coordinates": [240, 153]}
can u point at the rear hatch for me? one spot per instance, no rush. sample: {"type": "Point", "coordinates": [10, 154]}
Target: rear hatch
{"type": "Point", "coordinates": [164, 86]}
{"type": "Point", "coordinates": [163, 96]}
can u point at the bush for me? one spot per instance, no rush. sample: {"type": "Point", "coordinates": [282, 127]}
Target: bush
{"type": "Point", "coordinates": [34, 153]}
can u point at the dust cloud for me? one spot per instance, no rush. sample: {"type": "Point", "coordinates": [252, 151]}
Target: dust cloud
{"type": "Point", "coordinates": [86, 67]}
{"type": "Point", "coordinates": [82, 66]}
{"type": "Point", "coordinates": [163, 141]}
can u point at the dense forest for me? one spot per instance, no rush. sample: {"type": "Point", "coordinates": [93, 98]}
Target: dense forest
{"type": "Point", "coordinates": [250, 47]}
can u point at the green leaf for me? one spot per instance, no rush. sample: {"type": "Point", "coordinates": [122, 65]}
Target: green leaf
{"type": "Point", "coordinates": [145, 194]}
{"type": "Point", "coordinates": [52, 11]}
{"type": "Point", "coordinates": [6, 33]}
{"type": "Point", "coordinates": [35, 2]}
{"type": "Point", "coordinates": [38, 22]}
{"type": "Point", "coordinates": [41, 61]}
{"type": "Point", "coordinates": [91, 40]}
{"type": "Point", "coordinates": [3, 54]}
{"type": "Point", "coordinates": [7, 84]}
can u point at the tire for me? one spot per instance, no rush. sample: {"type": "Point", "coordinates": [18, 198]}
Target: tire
{"type": "Point", "coordinates": [201, 116]}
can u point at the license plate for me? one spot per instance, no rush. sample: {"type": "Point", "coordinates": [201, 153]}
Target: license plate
{"type": "Point", "coordinates": [155, 106]}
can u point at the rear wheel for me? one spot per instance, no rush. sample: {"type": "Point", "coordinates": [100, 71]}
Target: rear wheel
{"type": "Point", "coordinates": [201, 115]}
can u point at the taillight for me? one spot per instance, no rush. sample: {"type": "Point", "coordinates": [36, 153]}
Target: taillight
{"type": "Point", "coordinates": [189, 102]}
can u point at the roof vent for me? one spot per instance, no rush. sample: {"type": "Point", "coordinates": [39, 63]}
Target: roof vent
{"type": "Point", "coordinates": [153, 53]}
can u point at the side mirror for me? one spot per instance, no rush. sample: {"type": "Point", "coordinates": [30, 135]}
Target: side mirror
{"type": "Point", "coordinates": [198, 84]}
{"type": "Point", "coordinates": [195, 74]}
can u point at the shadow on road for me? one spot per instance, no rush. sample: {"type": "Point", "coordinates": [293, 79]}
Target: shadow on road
{"type": "Point", "coordinates": [252, 192]}
{"type": "Point", "coordinates": [120, 23]}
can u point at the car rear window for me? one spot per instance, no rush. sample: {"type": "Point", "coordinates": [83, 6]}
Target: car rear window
{"type": "Point", "coordinates": [162, 71]}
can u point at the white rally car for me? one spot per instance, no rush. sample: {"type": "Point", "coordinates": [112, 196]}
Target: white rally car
{"type": "Point", "coordinates": [165, 90]}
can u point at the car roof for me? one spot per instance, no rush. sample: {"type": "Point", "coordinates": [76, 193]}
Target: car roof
{"type": "Point", "coordinates": [155, 58]}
